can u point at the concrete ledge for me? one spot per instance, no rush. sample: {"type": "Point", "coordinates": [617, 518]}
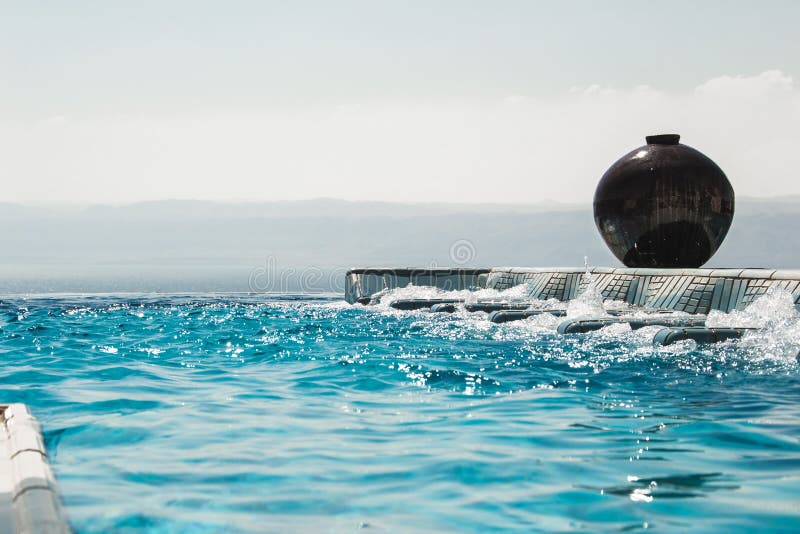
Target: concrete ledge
{"type": "Point", "coordinates": [505, 316]}
{"type": "Point", "coordinates": [726, 273]}
{"type": "Point", "coordinates": [694, 291]}
{"type": "Point", "coordinates": [27, 484]}
{"type": "Point", "coordinates": [408, 271]}
{"type": "Point", "coordinates": [361, 284]}
{"type": "Point", "coordinates": [786, 274]}
{"type": "Point", "coordinates": [758, 273]}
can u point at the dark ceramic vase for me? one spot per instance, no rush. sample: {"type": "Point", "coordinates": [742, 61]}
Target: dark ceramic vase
{"type": "Point", "coordinates": [664, 205]}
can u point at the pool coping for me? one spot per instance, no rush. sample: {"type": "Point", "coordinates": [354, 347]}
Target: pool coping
{"type": "Point", "coordinates": [690, 290]}
{"type": "Point", "coordinates": [29, 498]}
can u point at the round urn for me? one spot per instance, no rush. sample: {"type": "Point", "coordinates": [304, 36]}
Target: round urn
{"type": "Point", "coordinates": [664, 205]}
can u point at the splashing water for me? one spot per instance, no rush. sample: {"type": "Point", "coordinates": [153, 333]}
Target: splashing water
{"type": "Point", "coordinates": [384, 298]}
{"type": "Point", "coordinates": [774, 309]}
{"type": "Point", "coordinates": [589, 303]}
{"type": "Point", "coordinates": [776, 319]}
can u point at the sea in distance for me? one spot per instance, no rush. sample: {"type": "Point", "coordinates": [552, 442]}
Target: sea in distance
{"type": "Point", "coordinates": [281, 413]}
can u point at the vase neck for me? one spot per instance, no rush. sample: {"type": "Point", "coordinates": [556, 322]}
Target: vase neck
{"type": "Point", "coordinates": [663, 139]}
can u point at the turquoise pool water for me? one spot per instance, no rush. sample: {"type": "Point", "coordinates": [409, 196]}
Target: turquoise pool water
{"type": "Point", "coordinates": [232, 413]}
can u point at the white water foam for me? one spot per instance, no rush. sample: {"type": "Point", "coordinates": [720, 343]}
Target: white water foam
{"type": "Point", "coordinates": [590, 303]}
{"type": "Point", "coordinates": [773, 315]}
{"type": "Point", "coordinates": [777, 321]}
{"type": "Point", "coordinates": [775, 308]}
{"type": "Point", "coordinates": [386, 297]}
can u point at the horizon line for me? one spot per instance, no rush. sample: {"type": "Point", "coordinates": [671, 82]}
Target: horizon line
{"type": "Point", "coordinates": [236, 202]}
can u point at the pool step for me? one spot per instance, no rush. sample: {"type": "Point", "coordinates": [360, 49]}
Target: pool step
{"type": "Point", "coordinates": [490, 306]}
{"type": "Point", "coordinates": [668, 336]}
{"type": "Point", "coordinates": [421, 304]}
{"type": "Point", "coordinates": [485, 306]}
{"type": "Point", "coordinates": [505, 316]}
{"type": "Point", "coordinates": [578, 326]}
{"type": "Point", "coordinates": [481, 306]}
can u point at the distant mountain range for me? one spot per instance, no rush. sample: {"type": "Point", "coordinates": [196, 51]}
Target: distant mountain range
{"type": "Point", "coordinates": [322, 207]}
{"type": "Point", "coordinates": [184, 245]}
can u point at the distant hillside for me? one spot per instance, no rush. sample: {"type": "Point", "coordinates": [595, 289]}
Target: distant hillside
{"type": "Point", "coordinates": [201, 246]}
{"type": "Point", "coordinates": [323, 207]}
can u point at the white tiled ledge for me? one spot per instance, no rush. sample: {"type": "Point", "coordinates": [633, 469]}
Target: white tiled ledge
{"type": "Point", "coordinates": [29, 498]}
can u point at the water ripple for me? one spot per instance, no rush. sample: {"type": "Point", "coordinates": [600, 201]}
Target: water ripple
{"type": "Point", "coordinates": [247, 413]}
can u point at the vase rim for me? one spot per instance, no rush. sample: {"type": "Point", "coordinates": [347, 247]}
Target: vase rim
{"type": "Point", "coordinates": [663, 139]}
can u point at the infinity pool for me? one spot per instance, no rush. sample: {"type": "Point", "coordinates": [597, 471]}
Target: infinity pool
{"type": "Point", "coordinates": [221, 413]}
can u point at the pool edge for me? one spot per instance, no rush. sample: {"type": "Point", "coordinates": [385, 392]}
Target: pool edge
{"type": "Point", "coordinates": [31, 502]}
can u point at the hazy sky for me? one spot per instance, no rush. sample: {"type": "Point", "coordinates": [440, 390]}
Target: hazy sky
{"type": "Point", "coordinates": [501, 101]}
